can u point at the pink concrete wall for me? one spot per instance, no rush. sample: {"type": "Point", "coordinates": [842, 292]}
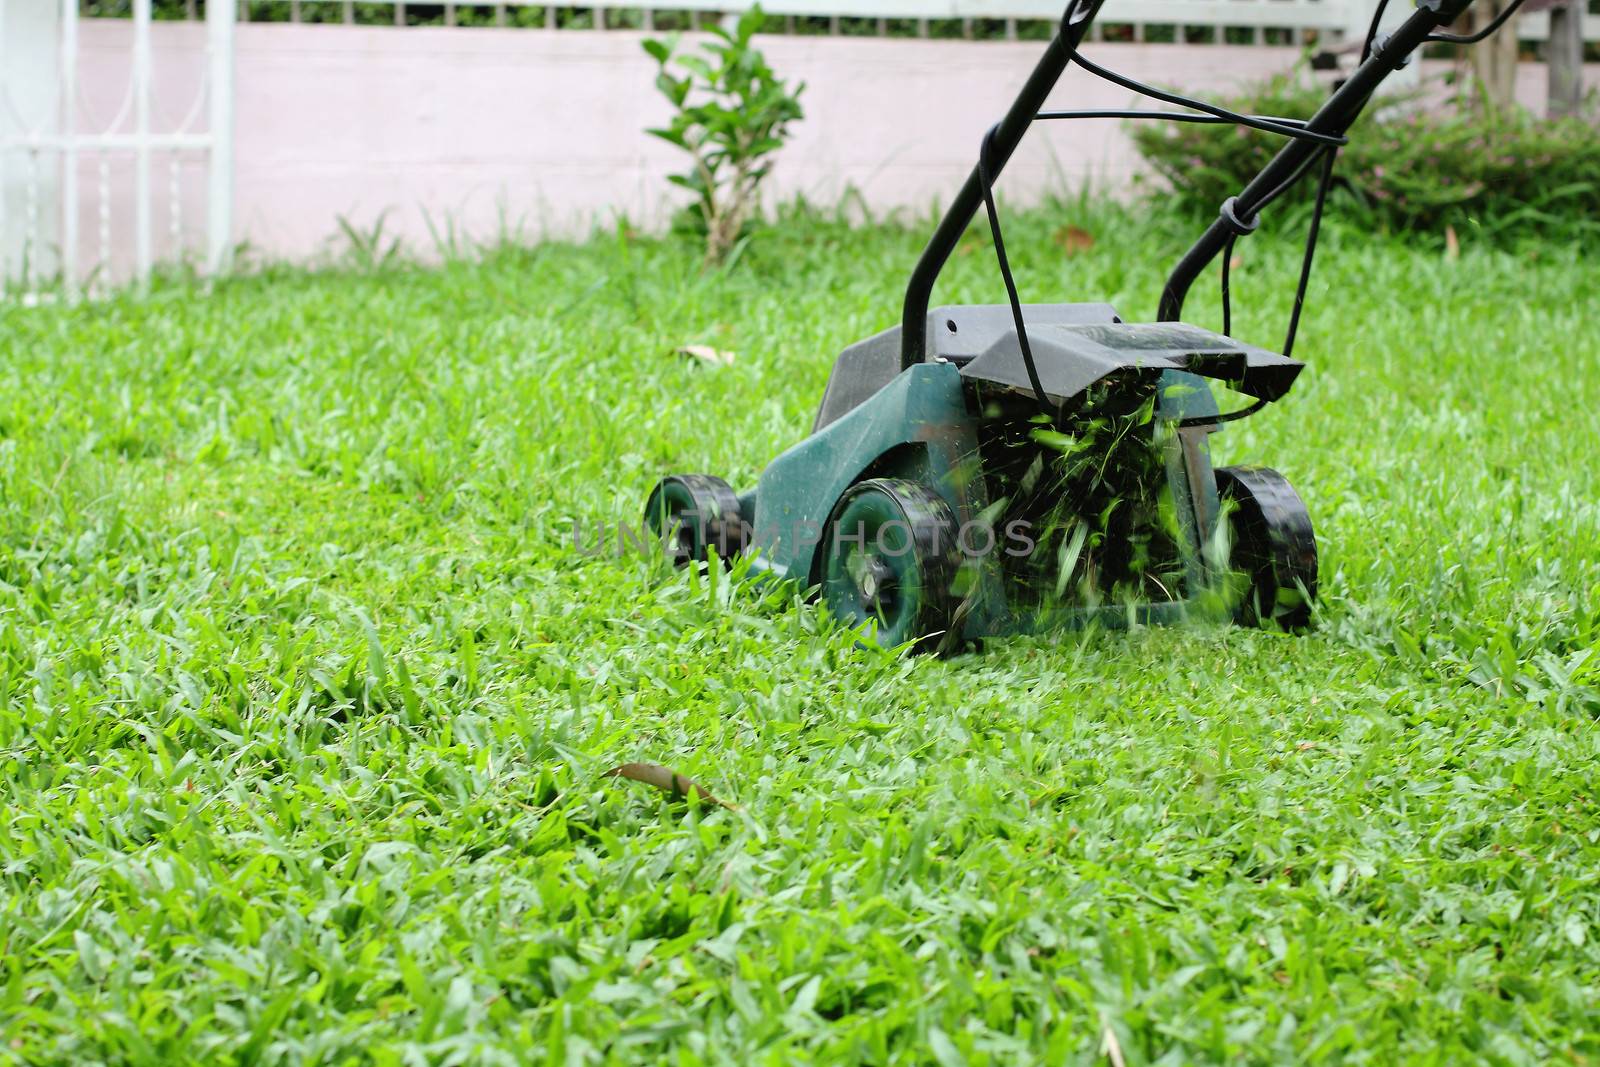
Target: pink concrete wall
{"type": "Point", "coordinates": [542, 132]}
{"type": "Point", "coordinates": [106, 179]}
{"type": "Point", "coordinates": [546, 130]}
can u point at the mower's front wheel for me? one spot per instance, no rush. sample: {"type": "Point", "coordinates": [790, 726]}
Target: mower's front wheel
{"type": "Point", "coordinates": [1274, 547]}
{"type": "Point", "coordinates": [695, 516]}
{"type": "Point", "coordinates": [889, 561]}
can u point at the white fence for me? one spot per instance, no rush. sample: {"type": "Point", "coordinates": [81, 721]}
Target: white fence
{"type": "Point", "coordinates": [1188, 21]}
{"type": "Point", "coordinates": [57, 136]}
{"type": "Point", "coordinates": [1176, 21]}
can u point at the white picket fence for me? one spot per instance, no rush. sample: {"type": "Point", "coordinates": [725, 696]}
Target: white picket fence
{"type": "Point", "coordinates": [1264, 21]}
{"type": "Point", "coordinates": [1179, 21]}
{"type": "Point", "coordinates": [53, 140]}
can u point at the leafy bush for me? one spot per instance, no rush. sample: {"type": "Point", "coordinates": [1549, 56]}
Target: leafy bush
{"type": "Point", "coordinates": [731, 114]}
{"type": "Point", "coordinates": [1407, 166]}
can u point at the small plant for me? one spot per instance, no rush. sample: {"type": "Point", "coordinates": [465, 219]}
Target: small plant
{"type": "Point", "coordinates": [368, 248]}
{"type": "Point", "coordinates": [732, 114]}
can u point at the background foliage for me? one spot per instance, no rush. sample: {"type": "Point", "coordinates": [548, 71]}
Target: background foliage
{"type": "Point", "coordinates": [1410, 166]}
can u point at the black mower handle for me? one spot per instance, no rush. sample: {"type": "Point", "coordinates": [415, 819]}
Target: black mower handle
{"type": "Point", "coordinates": [1335, 117]}
{"type": "Point", "coordinates": [914, 319]}
{"type": "Point", "coordinates": [1238, 214]}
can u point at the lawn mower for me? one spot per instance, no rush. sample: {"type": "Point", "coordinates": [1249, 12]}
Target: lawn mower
{"type": "Point", "coordinates": [987, 470]}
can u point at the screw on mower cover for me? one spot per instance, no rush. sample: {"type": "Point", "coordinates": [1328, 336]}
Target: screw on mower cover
{"type": "Point", "coordinates": [927, 505]}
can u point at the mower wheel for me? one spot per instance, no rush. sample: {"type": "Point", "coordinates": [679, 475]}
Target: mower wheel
{"type": "Point", "coordinates": [889, 559]}
{"type": "Point", "coordinates": [1273, 546]}
{"type": "Point", "coordinates": [695, 515]}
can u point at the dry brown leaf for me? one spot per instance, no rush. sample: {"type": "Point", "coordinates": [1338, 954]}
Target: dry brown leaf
{"type": "Point", "coordinates": [665, 779]}
{"type": "Point", "coordinates": [1452, 243]}
{"type": "Point", "coordinates": [1112, 1047]}
{"type": "Point", "coordinates": [707, 354]}
{"type": "Point", "coordinates": [1074, 239]}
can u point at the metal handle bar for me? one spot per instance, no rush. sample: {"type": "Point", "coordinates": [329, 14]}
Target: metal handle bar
{"type": "Point", "coordinates": [1335, 116]}
{"type": "Point", "coordinates": [914, 319]}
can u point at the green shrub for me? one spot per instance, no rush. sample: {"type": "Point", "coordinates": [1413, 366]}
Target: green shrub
{"type": "Point", "coordinates": [1407, 166]}
{"type": "Point", "coordinates": [731, 113]}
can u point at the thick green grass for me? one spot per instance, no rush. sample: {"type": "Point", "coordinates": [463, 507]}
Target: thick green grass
{"type": "Point", "coordinates": [308, 696]}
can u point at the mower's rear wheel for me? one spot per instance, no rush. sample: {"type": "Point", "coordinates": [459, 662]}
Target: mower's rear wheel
{"type": "Point", "coordinates": [695, 516]}
{"type": "Point", "coordinates": [889, 560]}
{"type": "Point", "coordinates": [1273, 547]}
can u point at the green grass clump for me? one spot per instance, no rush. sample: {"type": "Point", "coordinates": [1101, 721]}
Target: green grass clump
{"type": "Point", "coordinates": [306, 695]}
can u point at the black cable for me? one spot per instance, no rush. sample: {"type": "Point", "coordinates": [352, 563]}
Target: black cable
{"type": "Point", "coordinates": [1311, 250]}
{"type": "Point", "coordinates": [1290, 182]}
{"type": "Point", "coordinates": [1170, 116]}
{"type": "Point", "coordinates": [1299, 132]}
{"type": "Point", "coordinates": [1311, 239]}
{"type": "Point", "coordinates": [1474, 38]}
{"type": "Point", "coordinates": [1329, 156]}
{"type": "Point", "coordinates": [1227, 309]}
{"type": "Point", "coordinates": [1212, 420]}
{"type": "Point", "coordinates": [1181, 116]}
{"type": "Point", "coordinates": [987, 182]}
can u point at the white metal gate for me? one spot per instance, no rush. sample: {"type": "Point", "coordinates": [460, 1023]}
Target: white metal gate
{"type": "Point", "coordinates": [72, 169]}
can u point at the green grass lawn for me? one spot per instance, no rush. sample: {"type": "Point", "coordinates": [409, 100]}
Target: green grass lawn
{"type": "Point", "coordinates": [308, 697]}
